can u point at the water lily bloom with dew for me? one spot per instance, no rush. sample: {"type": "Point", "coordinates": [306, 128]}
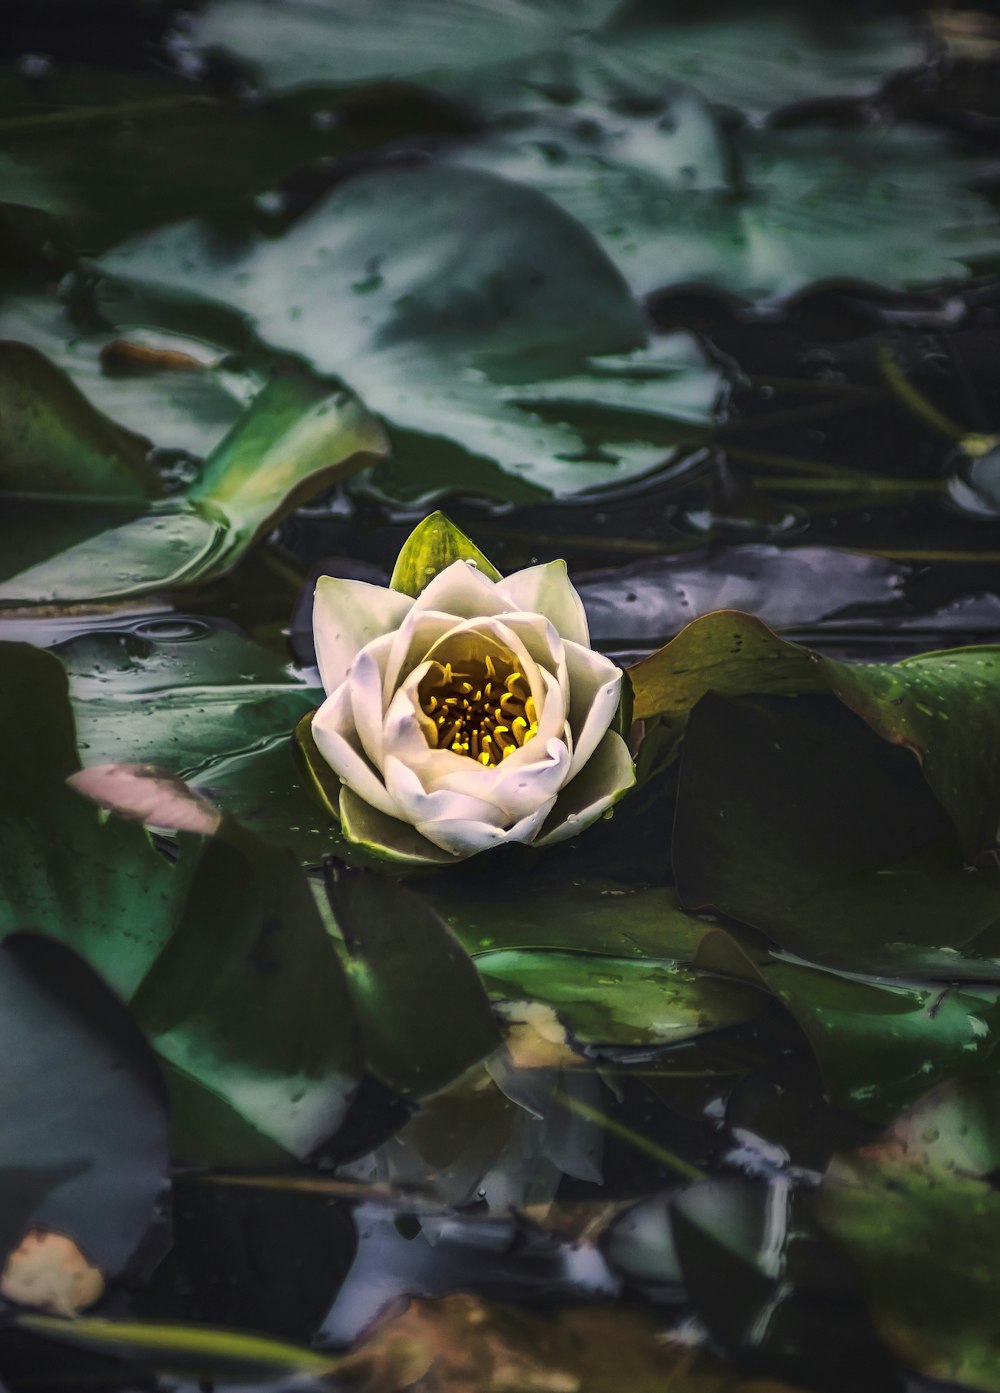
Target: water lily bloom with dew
{"type": "Point", "coordinates": [464, 710]}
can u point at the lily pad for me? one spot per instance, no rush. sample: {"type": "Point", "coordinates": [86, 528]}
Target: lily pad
{"type": "Point", "coordinates": [56, 444]}
{"type": "Point", "coordinates": [619, 1001]}
{"type": "Point", "coordinates": [295, 438]}
{"type": "Point", "coordinates": [210, 706]}
{"type": "Point", "coordinates": [941, 706]}
{"type": "Point", "coordinates": [879, 1044]}
{"type": "Point", "coordinates": [406, 970]}
{"type": "Point", "coordinates": [919, 1216]}
{"type": "Point", "coordinates": [248, 999]}
{"type": "Point", "coordinates": [534, 358]}
{"type": "Point", "coordinates": [84, 1147]}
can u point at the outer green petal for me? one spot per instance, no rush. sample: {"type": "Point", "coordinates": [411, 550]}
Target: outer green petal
{"type": "Point", "coordinates": [386, 836]}
{"type": "Point", "coordinates": [604, 778]}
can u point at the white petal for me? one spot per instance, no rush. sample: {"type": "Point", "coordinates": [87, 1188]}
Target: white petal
{"type": "Point", "coordinates": [386, 836]}
{"type": "Point", "coordinates": [548, 590]}
{"type": "Point", "coordinates": [338, 743]}
{"type": "Point", "coordinates": [365, 684]}
{"type": "Point", "coordinates": [594, 692]}
{"type": "Point", "coordinates": [540, 640]}
{"type": "Point", "coordinates": [418, 806]}
{"type": "Point", "coordinates": [606, 776]}
{"type": "Point", "coordinates": [462, 590]}
{"type": "Point", "coordinates": [347, 614]}
{"type": "Point", "coordinates": [419, 631]}
{"type": "Point", "coordinates": [466, 838]}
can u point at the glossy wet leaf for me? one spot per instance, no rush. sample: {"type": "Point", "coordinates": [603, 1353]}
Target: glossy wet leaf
{"type": "Point", "coordinates": [95, 884]}
{"type": "Point", "coordinates": [177, 408]}
{"type": "Point", "coordinates": [296, 44]}
{"type": "Point", "coordinates": [879, 1044]}
{"type": "Point", "coordinates": [84, 1143]}
{"type": "Point", "coordinates": [849, 860]}
{"type": "Point", "coordinates": [431, 548]}
{"type": "Point", "coordinates": [105, 153]}
{"type": "Point", "coordinates": [248, 1000]}
{"type": "Point", "coordinates": [619, 1001]}
{"type": "Point", "coordinates": [941, 706]}
{"type": "Point", "coordinates": [296, 437]}
{"type": "Point", "coordinates": [55, 443]}
{"type": "Point", "coordinates": [534, 359]}
{"type": "Point", "coordinates": [918, 1214]}
{"type": "Point", "coordinates": [646, 168]}
{"type": "Point", "coordinates": [584, 913]}
{"type": "Point", "coordinates": [205, 703]}
{"type": "Point", "coordinates": [407, 972]}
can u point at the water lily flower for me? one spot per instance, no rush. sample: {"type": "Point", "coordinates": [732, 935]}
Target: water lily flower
{"type": "Point", "coordinates": [467, 715]}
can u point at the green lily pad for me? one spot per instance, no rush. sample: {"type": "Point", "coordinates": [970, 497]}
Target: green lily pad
{"type": "Point", "coordinates": [84, 1146]}
{"type": "Point", "coordinates": [189, 946]}
{"type": "Point", "coordinates": [178, 406]}
{"type": "Point", "coordinates": [563, 912]}
{"type": "Point", "coordinates": [941, 706]}
{"type": "Point", "coordinates": [619, 1001]}
{"type": "Point", "coordinates": [249, 1001]}
{"type": "Point", "coordinates": [296, 44]}
{"type": "Point", "coordinates": [56, 444]}
{"type": "Point", "coordinates": [407, 972]}
{"type": "Point", "coordinates": [846, 859]}
{"type": "Point", "coordinates": [96, 885]}
{"type": "Point", "coordinates": [106, 153]}
{"type": "Point", "coordinates": [879, 1044]}
{"type": "Point", "coordinates": [919, 1216]}
{"type": "Point", "coordinates": [208, 705]}
{"type": "Point", "coordinates": [294, 439]}
{"type": "Point", "coordinates": [533, 359]}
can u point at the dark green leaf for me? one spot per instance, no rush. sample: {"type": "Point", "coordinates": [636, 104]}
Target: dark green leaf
{"type": "Point", "coordinates": [248, 998]}
{"type": "Point", "coordinates": [408, 973]}
{"type": "Point", "coordinates": [538, 327]}
{"type": "Point", "coordinates": [53, 443]}
{"type": "Point", "coordinates": [295, 438]}
{"type": "Point", "coordinates": [84, 1141]}
{"type": "Point", "coordinates": [919, 1216]}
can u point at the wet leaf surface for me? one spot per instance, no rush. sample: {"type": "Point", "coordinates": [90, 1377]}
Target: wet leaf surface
{"type": "Point", "coordinates": [703, 305]}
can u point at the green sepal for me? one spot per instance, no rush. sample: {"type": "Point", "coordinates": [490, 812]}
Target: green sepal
{"type": "Point", "coordinates": [432, 547]}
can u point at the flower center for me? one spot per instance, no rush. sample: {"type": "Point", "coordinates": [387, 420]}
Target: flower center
{"type": "Point", "coordinates": [480, 706]}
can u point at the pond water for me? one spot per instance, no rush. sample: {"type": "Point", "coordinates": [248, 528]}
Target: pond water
{"type": "Point", "coordinates": [705, 305]}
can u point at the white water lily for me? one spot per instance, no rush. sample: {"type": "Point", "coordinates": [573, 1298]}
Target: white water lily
{"type": "Point", "coordinates": [472, 715]}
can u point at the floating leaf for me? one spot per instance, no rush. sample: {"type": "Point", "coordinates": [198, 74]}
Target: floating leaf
{"type": "Point", "coordinates": [537, 330]}
{"type": "Point", "coordinates": [96, 885]}
{"type": "Point", "coordinates": [209, 706]}
{"type": "Point", "coordinates": [296, 44]}
{"type": "Point", "coordinates": [619, 1001]}
{"type": "Point", "coordinates": [248, 999]}
{"type": "Point", "coordinates": [407, 972]}
{"type": "Point", "coordinates": [879, 1044]}
{"type": "Point", "coordinates": [84, 1143]}
{"type": "Point", "coordinates": [295, 438]}
{"type": "Point", "coordinates": [919, 1216]}
{"type": "Point", "coordinates": [56, 444]}
{"type": "Point", "coordinates": [941, 706]}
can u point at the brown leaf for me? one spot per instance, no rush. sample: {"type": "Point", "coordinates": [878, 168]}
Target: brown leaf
{"type": "Point", "coordinates": [48, 1271]}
